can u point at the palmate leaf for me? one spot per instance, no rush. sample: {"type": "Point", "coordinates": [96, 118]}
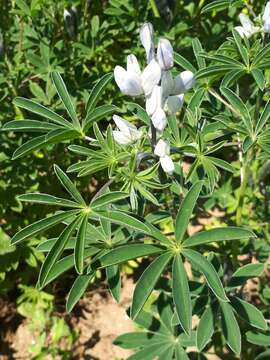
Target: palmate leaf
{"type": "Point", "coordinates": [97, 114]}
{"type": "Point", "coordinates": [147, 282]}
{"type": "Point", "coordinates": [181, 294]}
{"type": "Point", "coordinates": [31, 145]}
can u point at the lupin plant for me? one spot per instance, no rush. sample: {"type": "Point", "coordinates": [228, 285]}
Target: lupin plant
{"type": "Point", "coordinates": [147, 201]}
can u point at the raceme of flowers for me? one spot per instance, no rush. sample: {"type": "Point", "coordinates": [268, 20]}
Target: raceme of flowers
{"type": "Point", "coordinates": [248, 28]}
{"type": "Point", "coordinates": [163, 93]}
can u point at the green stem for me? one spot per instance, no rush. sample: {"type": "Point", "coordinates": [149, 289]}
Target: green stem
{"type": "Point", "coordinates": [154, 8]}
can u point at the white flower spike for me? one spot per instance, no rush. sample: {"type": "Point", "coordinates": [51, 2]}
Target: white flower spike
{"type": "Point", "coordinates": [266, 18]}
{"type": "Point", "coordinates": [165, 54]}
{"type": "Point", "coordinates": [147, 40]}
{"type": "Point", "coordinates": [127, 133]}
{"type": "Point", "coordinates": [162, 150]}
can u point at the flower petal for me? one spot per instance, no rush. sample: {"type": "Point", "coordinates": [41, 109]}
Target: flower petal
{"type": "Point", "coordinates": [167, 164]}
{"type": "Point", "coordinates": [154, 101]}
{"type": "Point", "coordinates": [242, 32]}
{"type": "Point", "coordinates": [183, 82]}
{"type": "Point", "coordinates": [147, 40]}
{"type": "Point", "coordinates": [165, 54]}
{"type": "Point", "coordinates": [167, 84]}
{"type": "Point", "coordinates": [266, 26]}
{"type": "Point", "coordinates": [246, 22]}
{"type": "Point", "coordinates": [121, 138]}
{"type": "Point", "coordinates": [159, 119]}
{"type": "Point", "coordinates": [162, 148]}
{"type": "Point", "coordinates": [133, 65]}
{"type": "Point", "coordinates": [128, 83]}
{"type": "Point", "coordinates": [266, 14]}
{"type": "Point", "coordinates": [174, 103]}
{"type": "Point", "coordinates": [150, 77]}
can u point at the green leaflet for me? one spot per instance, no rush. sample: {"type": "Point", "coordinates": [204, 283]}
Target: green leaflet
{"type": "Point", "coordinates": [186, 210]}
{"type": "Point", "coordinates": [41, 225]}
{"type": "Point", "coordinates": [64, 96]}
{"type": "Point", "coordinates": [41, 110]}
{"type": "Point", "coordinates": [78, 288]}
{"type": "Point", "coordinates": [230, 328]}
{"type": "Point", "coordinates": [208, 270]}
{"type": "Point", "coordinates": [205, 328]}
{"type": "Point", "coordinates": [127, 252]}
{"type": "Point", "coordinates": [80, 245]}
{"type": "Point", "coordinates": [218, 234]}
{"type": "Point", "coordinates": [147, 282]}
{"type": "Point", "coordinates": [57, 250]}
{"type": "Point", "coordinates": [68, 185]}
{"type": "Point", "coordinates": [181, 294]}
{"type": "Point", "coordinates": [249, 313]}
{"type": "Point", "coordinates": [114, 281]}
{"type": "Point", "coordinates": [47, 199]}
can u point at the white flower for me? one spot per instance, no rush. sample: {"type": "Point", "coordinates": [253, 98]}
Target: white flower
{"type": "Point", "coordinates": [165, 54]}
{"type": "Point", "coordinates": [247, 29]}
{"type": "Point", "coordinates": [147, 40]}
{"type": "Point", "coordinates": [162, 150]}
{"type": "Point", "coordinates": [266, 18]}
{"type": "Point", "coordinates": [127, 133]}
{"type": "Point", "coordinates": [174, 103]}
{"type": "Point", "coordinates": [132, 81]}
{"type": "Point", "coordinates": [66, 14]}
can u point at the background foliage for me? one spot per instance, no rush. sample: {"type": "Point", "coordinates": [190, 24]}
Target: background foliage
{"type": "Point", "coordinates": [34, 41]}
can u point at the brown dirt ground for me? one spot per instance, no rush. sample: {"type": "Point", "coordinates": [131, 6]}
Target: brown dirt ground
{"type": "Point", "coordinates": [98, 319]}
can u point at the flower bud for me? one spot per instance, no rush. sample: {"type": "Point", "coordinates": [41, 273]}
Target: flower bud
{"type": "Point", "coordinates": [167, 164]}
{"type": "Point", "coordinates": [147, 40]}
{"type": "Point", "coordinates": [165, 54]}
